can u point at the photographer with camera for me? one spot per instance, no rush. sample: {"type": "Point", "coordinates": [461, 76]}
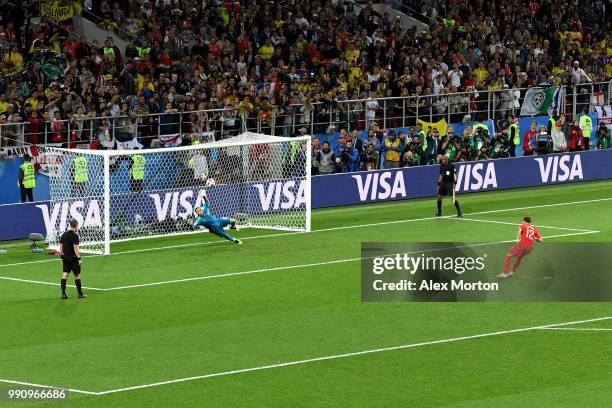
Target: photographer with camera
{"type": "Point", "coordinates": [351, 159]}
{"type": "Point", "coordinates": [603, 136]}
{"type": "Point", "coordinates": [500, 147]}
{"type": "Point", "coordinates": [484, 154]}
{"type": "Point", "coordinates": [341, 155]}
{"type": "Point", "coordinates": [543, 143]}
{"type": "Point", "coordinates": [371, 158]}
{"type": "Point", "coordinates": [446, 144]}
{"type": "Point", "coordinates": [480, 140]}
{"type": "Point", "coordinates": [514, 136]}
{"type": "Point", "coordinates": [412, 154]}
{"type": "Point", "coordinates": [466, 144]}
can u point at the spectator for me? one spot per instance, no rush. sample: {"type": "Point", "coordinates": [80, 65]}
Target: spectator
{"type": "Point", "coordinates": [392, 149]}
{"type": "Point", "coordinates": [316, 149]}
{"type": "Point", "coordinates": [558, 139]}
{"type": "Point", "coordinates": [578, 74]}
{"type": "Point", "coordinates": [372, 140]}
{"type": "Point", "coordinates": [291, 53]}
{"type": "Point", "coordinates": [528, 139]}
{"type": "Point", "coordinates": [36, 126]}
{"type": "Point", "coordinates": [575, 139]}
{"type": "Point", "coordinates": [357, 142]}
{"type": "Point", "coordinates": [326, 160]}
{"type": "Point", "coordinates": [371, 108]}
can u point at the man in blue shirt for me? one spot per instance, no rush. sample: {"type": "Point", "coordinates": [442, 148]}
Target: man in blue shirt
{"type": "Point", "coordinates": [214, 224]}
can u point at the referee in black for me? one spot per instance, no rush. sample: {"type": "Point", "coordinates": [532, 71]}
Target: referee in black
{"type": "Point", "coordinates": [446, 185]}
{"type": "Point", "coordinates": [71, 258]}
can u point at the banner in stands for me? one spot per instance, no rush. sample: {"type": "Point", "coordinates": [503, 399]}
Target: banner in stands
{"type": "Point", "coordinates": [173, 206]}
{"type": "Point", "coordinates": [56, 10]}
{"type": "Point", "coordinates": [604, 114]}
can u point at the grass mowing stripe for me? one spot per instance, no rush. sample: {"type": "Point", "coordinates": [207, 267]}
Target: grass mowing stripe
{"type": "Point", "coordinates": [347, 355]}
{"type": "Point", "coordinates": [279, 268]}
{"type": "Point", "coordinates": [319, 230]}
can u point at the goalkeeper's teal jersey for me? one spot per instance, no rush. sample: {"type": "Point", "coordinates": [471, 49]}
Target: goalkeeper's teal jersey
{"type": "Point", "coordinates": [207, 220]}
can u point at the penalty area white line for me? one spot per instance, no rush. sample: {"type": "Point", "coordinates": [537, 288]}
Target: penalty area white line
{"type": "Point", "coordinates": [515, 224]}
{"type": "Point", "coordinates": [134, 251]}
{"type": "Point", "coordinates": [309, 360]}
{"type": "Point", "coordinates": [43, 282]}
{"type": "Point", "coordinates": [309, 265]}
{"type": "Point", "coordinates": [575, 328]}
{"type": "Point", "coordinates": [346, 355]}
{"type": "Point", "coordinates": [51, 387]}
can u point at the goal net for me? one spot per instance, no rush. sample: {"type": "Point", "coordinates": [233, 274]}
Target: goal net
{"type": "Point", "coordinates": [263, 181]}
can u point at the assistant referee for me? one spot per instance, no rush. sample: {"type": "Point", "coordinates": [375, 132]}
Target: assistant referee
{"type": "Point", "coordinates": [71, 258]}
{"type": "Point", "coordinates": [446, 185]}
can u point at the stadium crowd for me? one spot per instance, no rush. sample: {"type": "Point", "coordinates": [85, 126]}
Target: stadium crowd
{"type": "Point", "coordinates": [286, 64]}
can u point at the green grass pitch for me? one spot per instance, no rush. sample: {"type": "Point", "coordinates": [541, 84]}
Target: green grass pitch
{"type": "Point", "coordinates": [194, 321]}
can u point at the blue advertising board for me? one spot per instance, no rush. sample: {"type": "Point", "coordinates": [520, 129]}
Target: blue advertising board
{"type": "Point", "coordinates": [419, 182]}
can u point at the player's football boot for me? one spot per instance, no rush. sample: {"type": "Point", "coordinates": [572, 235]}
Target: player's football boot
{"type": "Point", "coordinates": [503, 275]}
{"type": "Point", "coordinates": [459, 215]}
{"type": "Point", "coordinates": [82, 296]}
{"type": "Point", "coordinates": [239, 242]}
{"type": "Point", "coordinates": [64, 296]}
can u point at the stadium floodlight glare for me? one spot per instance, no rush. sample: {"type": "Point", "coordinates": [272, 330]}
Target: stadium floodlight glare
{"type": "Point", "coordinates": [262, 180]}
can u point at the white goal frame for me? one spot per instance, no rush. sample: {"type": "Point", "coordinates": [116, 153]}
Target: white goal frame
{"type": "Point", "coordinates": [104, 159]}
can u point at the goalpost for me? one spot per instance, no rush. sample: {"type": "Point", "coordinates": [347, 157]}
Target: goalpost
{"type": "Point", "coordinates": [263, 181]}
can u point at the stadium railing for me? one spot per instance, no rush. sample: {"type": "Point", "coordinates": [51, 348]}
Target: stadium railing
{"type": "Point", "coordinates": [357, 114]}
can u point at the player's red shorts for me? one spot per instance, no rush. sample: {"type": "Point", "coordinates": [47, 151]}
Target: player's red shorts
{"type": "Point", "coordinates": [521, 249]}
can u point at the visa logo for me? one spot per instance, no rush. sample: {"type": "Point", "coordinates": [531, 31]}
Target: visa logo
{"type": "Point", "coordinates": [175, 204]}
{"type": "Point", "coordinates": [282, 195]}
{"type": "Point", "coordinates": [57, 217]}
{"type": "Point", "coordinates": [475, 177]}
{"type": "Point", "coordinates": [380, 186]}
{"type": "Point", "coordinates": [560, 168]}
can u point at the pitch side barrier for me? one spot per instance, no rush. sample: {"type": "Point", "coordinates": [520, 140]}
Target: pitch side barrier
{"type": "Point", "coordinates": [175, 206]}
{"type": "Point", "coordinates": [500, 174]}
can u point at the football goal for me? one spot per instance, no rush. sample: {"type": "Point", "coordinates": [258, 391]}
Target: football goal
{"type": "Point", "coordinates": [117, 195]}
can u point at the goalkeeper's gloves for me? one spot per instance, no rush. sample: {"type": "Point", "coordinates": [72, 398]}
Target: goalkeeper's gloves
{"type": "Point", "coordinates": [202, 193]}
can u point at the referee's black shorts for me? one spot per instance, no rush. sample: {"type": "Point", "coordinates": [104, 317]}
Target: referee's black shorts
{"type": "Point", "coordinates": [446, 189]}
{"type": "Point", "coordinates": [71, 265]}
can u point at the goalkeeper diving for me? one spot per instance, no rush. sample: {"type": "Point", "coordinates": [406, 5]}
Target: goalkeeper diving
{"type": "Point", "coordinates": [214, 224]}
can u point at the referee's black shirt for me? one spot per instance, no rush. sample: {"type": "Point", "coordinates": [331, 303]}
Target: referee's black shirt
{"type": "Point", "coordinates": [447, 171]}
{"type": "Point", "coordinates": [69, 240]}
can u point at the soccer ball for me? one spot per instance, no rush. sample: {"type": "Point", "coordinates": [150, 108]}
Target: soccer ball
{"type": "Point", "coordinates": [211, 182]}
